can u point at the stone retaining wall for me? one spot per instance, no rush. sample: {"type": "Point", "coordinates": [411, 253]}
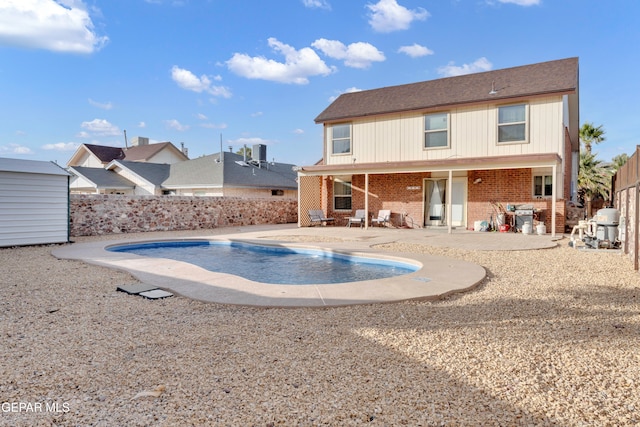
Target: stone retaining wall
{"type": "Point", "coordinates": [93, 214]}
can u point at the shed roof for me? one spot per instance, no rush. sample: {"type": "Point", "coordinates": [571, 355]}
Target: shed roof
{"type": "Point", "coordinates": [560, 76]}
{"type": "Point", "coordinates": [31, 166]}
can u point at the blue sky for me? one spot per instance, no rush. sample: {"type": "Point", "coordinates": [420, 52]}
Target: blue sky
{"type": "Point", "coordinates": [259, 71]}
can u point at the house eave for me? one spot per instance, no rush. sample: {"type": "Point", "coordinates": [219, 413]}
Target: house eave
{"type": "Point", "coordinates": [446, 106]}
{"type": "Point", "coordinates": [471, 163]}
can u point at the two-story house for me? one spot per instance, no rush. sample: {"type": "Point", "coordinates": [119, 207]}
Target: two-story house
{"type": "Point", "coordinates": [445, 152]}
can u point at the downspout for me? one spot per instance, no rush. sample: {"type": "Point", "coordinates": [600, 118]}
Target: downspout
{"type": "Point", "coordinates": [553, 200]}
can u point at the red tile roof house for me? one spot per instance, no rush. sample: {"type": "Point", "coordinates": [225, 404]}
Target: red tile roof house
{"type": "Point", "coordinates": [445, 152]}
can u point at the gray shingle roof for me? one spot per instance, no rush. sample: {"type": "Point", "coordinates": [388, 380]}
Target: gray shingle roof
{"type": "Point", "coordinates": [559, 76]}
{"type": "Point", "coordinates": [155, 173]}
{"type": "Point", "coordinates": [102, 178]}
{"type": "Point", "coordinates": [209, 171]}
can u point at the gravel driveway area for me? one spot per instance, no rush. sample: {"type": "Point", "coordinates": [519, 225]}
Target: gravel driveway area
{"type": "Point", "coordinates": [551, 337]}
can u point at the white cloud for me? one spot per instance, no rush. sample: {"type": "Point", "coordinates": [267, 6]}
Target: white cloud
{"type": "Point", "coordinates": [257, 114]}
{"type": "Point", "coordinates": [142, 125]}
{"type": "Point", "coordinates": [349, 90]}
{"type": "Point", "coordinates": [99, 127]}
{"type": "Point", "coordinates": [522, 2]}
{"type": "Point", "coordinates": [189, 81]}
{"type": "Point", "coordinates": [201, 116]}
{"type": "Point", "coordinates": [61, 146]}
{"type": "Point", "coordinates": [15, 149]}
{"type": "Point", "coordinates": [214, 125]}
{"type": "Point", "coordinates": [103, 105]}
{"type": "Point", "coordinates": [55, 25]}
{"type": "Point", "coordinates": [176, 125]}
{"type": "Point", "coordinates": [299, 65]}
{"type": "Point", "coordinates": [387, 16]}
{"type": "Point", "coordinates": [356, 55]}
{"type": "Point", "coordinates": [415, 50]}
{"type": "Point", "coordinates": [317, 4]}
{"type": "Point", "coordinates": [479, 65]}
{"type": "Point", "coordinates": [298, 131]}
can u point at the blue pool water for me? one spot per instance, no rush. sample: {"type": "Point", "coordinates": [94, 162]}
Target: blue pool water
{"type": "Point", "coordinates": [269, 264]}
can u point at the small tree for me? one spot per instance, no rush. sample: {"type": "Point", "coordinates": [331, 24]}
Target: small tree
{"type": "Point", "coordinates": [243, 151]}
{"type": "Point", "coordinates": [593, 179]}
{"type": "Point", "coordinates": [590, 135]}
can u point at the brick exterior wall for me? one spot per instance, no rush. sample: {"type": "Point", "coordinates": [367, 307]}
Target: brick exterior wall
{"type": "Point", "coordinates": [92, 214]}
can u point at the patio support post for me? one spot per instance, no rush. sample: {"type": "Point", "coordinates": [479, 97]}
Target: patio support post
{"type": "Point", "coordinates": [553, 200]}
{"type": "Point", "coordinates": [366, 201]}
{"type": "Point", "coordinates": [449, 201]}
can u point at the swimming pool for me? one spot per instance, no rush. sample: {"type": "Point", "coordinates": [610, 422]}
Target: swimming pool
{"type": "Point", "coordinates": [272, 264]}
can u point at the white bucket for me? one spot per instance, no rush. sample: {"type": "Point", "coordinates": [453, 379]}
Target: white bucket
{"type": "Point", "coordinates": [477, 225]}
{"type": "Point", "coordinates": [541, 229]}
{"type": "Point", "coordinates": [526, 228]}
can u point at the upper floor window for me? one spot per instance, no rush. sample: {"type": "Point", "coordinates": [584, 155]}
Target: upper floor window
{"type": "Point", "coordinates": [341, 139]}
{"type": "Point", "coordinates": [542, 186]}
{"type": "Point", "coordinates": [512, 123]}
{"type": "Point", "coordinates": [436, 130]}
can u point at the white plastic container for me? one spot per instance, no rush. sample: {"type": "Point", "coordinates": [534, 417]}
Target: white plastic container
{"type": "Point", "coordinates": [526, 228]}
{"type": "Point", "coordinates": [541, 229]}
{"type": "Point", "coordinates": [477, 226]}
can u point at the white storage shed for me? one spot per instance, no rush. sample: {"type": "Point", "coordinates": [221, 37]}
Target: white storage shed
{"type": "Point", "coordinates": [34, 203]}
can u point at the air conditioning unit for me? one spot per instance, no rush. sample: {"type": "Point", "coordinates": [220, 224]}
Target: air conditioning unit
{"type": "Point", "coordinates": [259, 153]}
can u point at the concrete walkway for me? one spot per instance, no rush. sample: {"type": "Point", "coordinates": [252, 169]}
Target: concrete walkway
{"type": "Point", "coordinates": [436, 277]}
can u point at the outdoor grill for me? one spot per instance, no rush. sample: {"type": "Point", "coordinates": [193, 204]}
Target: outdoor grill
{"type": "Point", "coordinates": [523, 215]}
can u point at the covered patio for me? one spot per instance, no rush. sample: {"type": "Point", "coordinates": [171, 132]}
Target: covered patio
{"type": "Point", "coordinates": [467, 187]}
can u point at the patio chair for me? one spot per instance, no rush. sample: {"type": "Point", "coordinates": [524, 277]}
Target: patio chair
{"type": "Point", "coordinates": [358, 219]}
{"type": "Point", "coordinates": [316, 216]}
{"type": "Point", "coordinates": [383, 218]}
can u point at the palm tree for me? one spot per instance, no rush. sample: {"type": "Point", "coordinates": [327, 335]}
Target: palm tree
{"type": "Point", "coordinates": [589, 135]}
{"type": "Point", "coordinates": [593, 179]}
{"type": "Point", "coordinates": [618, 161]}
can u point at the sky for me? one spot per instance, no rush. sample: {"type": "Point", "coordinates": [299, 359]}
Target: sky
{"type": "Point", "coordinates": [221, 73]}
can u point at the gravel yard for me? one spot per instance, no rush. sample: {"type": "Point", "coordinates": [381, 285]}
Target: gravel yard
{"type": "Point", "coordinates": [551, 337]}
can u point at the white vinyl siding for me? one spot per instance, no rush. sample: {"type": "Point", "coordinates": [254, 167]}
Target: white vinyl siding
{"type": "Point", "coordinates": [34, 209]}
{"type": "Point", "coordinates": [473, 133]}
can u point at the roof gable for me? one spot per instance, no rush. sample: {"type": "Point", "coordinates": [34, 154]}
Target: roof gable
{"type": "Point", "coordinates": [147, 151]}
{"type": "Point", "coordinates": [559, 76]}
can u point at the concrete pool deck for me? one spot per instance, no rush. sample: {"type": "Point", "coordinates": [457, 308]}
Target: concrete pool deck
{"type": "Point", "coordinates": [438, 277]}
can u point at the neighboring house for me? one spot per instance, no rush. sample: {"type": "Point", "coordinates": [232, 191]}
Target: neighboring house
{"type": "Point", "coordinates": [34, 203]}
{"type": "Point", "coordinates": [97, 156]}
{"type": "Point", "coordinates": [229, 175]}
{"type": "Point", "coordinates": [445, 152]}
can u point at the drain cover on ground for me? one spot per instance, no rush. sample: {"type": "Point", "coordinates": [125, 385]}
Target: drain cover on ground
{"type": "Point", "coordinates": [136, 288]}
{"type": "Point", "coordinates": [156, 294]}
